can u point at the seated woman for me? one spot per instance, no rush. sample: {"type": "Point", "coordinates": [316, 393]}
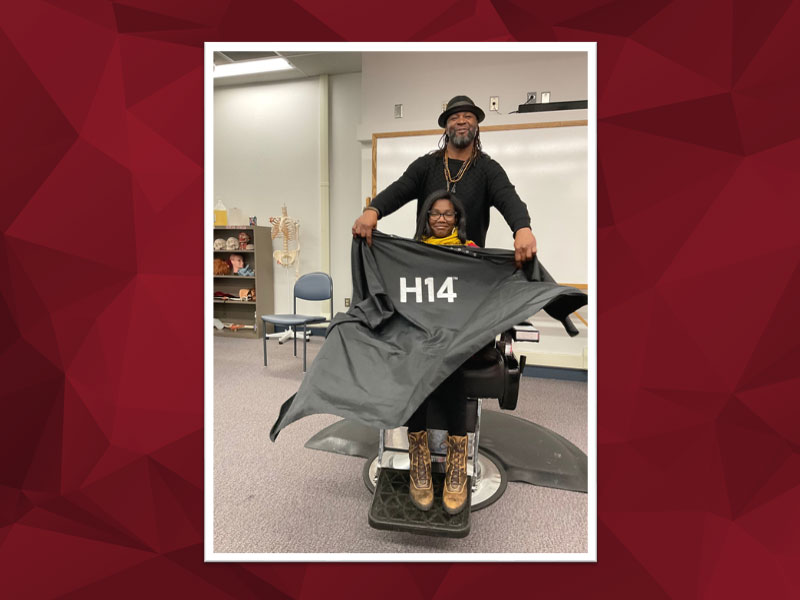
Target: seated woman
{"type": "Point", "coordinates": [441, 221]}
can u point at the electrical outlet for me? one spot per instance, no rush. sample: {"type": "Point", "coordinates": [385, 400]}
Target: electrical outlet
{"type": "Point", "coordinates": [545, 97]}
{"type": "Point", "coordinates": [346, 302]}
{"type": "Point", "coordinates": [494, 103]}
{"type": "Point", "coordinates": [531, 98]}
{"type": "Point", "coordinates": [398, 111]}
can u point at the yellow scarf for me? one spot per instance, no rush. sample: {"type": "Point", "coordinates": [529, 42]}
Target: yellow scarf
{"type": "Point", "coordinates": [450, 240]}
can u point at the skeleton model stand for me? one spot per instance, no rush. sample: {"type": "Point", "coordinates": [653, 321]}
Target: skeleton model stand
{"type": "Point", "coordinates": [288, 229]}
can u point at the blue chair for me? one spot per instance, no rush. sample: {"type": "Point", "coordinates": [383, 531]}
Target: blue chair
{"type": "Point", "coordinates": [312, 286]}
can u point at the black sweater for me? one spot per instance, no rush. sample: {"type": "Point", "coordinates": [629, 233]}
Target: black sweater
{"type": "Point", "coordinates": [485, 184]}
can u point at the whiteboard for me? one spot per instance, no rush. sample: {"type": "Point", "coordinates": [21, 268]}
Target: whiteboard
{"type": "Point", "coordinates": [549, 168]}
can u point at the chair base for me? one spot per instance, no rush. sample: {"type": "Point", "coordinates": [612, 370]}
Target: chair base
{"type": "Point", "coordinates": [281, 336]}
{"type": "Point", "coordinates": [487, 488]}
{"type": "Point", "coordinates": [286, 335]}
{"type": "Point", "coordinates": [393, 510]}
{"type": "Point", "coordinates": [528, 452]}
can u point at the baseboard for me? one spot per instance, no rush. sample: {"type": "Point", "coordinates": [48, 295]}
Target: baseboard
{"type": "Point", "coordinates": [561, 373]}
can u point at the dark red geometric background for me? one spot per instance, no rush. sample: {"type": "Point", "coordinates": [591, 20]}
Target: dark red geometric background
{"type": "Point", "coordinates": [101, 420]}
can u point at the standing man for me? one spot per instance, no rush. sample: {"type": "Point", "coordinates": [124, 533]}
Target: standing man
{"type": "Point", "coordinates": [460, 166]}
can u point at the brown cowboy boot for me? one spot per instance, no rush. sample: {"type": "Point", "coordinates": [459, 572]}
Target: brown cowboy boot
{"type": "Point", "coordinates": [454, 496]}
{"type": "Point", "coordinates": [420, 485]}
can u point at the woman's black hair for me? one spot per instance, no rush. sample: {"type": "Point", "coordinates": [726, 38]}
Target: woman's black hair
{"type": "Point", "coordinates": [423, 223]}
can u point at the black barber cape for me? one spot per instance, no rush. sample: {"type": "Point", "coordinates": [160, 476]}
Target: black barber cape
{"type": "Point", "coordinates": [418, 312]}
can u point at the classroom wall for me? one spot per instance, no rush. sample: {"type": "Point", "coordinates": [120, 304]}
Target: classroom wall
{"type": "Point", "coordinates": [266, 154]}
{"type": "Point", "coordinates": [422, 81]}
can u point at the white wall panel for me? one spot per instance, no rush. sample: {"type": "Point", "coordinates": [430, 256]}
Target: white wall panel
{"type": "Point", "coordinates": [266, 153]}
{"type": "Point", "coordinates": [548, 167]}
{"type": "Point", "coordinates": [345, 175]}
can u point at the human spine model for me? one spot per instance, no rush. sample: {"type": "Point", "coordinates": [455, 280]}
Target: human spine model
{"type": "Point", "coordinates": [288, 228]}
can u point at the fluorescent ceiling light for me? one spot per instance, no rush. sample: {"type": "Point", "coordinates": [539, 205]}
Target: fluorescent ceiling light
{"type": "Point", "coordinates": [248, 67]}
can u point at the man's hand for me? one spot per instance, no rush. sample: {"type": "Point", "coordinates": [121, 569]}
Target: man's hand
{"type": "Point", "coordinates": [524, 246]}
{"type": "Point", "coordinates": [365, 224]}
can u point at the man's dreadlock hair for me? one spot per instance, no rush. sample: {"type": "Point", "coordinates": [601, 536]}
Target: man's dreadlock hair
{"type": "Point", "coordinates": [477, 148]}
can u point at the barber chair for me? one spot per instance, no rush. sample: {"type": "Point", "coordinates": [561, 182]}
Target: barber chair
{"type": "Point", "coordinates": [493, 372]}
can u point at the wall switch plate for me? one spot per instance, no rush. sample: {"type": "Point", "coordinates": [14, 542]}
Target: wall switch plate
{"type": "Point", "coordinates": [346, 302]}
{"type": "Point", "coordinates": [494, 103]}
{"type": "Point", "coordinates": [398, 111]}
{"type": "Point", "coordinates": [531, 98]}
{"type": "Point", "coordinates": [444, 106]}
{"type": "Point", "coordinates": [545, 97]}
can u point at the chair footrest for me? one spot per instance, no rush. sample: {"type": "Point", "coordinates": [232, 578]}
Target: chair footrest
{"type": "Point", "coordinates": [393, 510]}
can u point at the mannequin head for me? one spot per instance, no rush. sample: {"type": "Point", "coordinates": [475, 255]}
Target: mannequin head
{"type": "Point", "coordinates": [237, 262]}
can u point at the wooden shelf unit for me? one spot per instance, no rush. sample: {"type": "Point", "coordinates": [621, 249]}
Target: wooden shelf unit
{"type": "Point", "coordinates": [260, 259]}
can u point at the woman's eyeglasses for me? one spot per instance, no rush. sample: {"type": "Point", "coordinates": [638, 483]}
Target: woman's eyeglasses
{"type": "Point", "coordinates": [435, 216]}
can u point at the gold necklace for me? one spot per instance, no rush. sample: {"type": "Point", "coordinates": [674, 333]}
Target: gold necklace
{"type": "Point", "coordinates": [450, 179]}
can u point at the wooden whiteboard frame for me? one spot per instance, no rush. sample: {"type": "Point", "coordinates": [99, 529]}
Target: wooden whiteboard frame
{"type": "Point", "coordinates": [510, 127]}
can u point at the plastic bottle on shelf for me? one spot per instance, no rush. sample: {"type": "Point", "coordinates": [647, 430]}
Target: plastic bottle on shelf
{"type": "Point", "coordinates": [220, 213]}
{"type": "Point", "coordinates": [235, 216]}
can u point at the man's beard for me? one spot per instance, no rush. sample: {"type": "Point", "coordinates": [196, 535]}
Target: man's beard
{"type": "Point", "coordinates": [463, 140]}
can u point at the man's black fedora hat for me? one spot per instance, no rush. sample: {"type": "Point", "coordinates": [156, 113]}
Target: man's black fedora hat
{"type": "Point", "coordinates": [460, 104]}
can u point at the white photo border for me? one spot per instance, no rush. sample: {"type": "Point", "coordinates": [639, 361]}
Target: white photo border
{"type": "Point", "coordinates": [208, 63]}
